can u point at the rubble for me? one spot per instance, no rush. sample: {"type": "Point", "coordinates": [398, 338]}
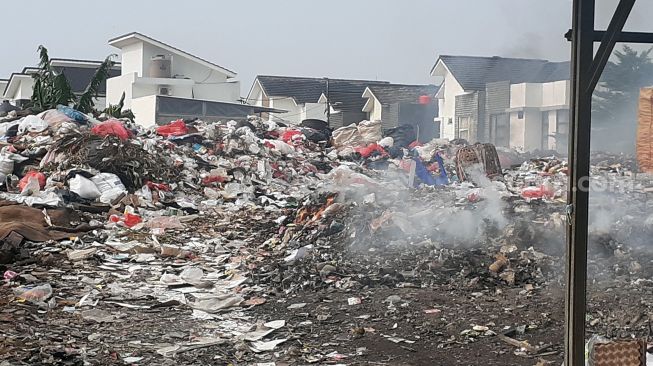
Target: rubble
{"type": "Point", "coordinates": [252, 243]}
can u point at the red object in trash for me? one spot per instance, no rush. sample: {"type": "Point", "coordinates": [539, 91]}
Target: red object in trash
{"type": "Point", "coordinates": [415, 144]}
{"type": "Point", "coordinates": [424, 99]}
{"type": "Point", "coordinates": [370, 149]}
{"type": "Point", "coordinates": [112, 127]}
{"type": "Point", "coordinates": [32, 174]}
{"type": "Point", "coordinates": [538, 192]}
{"type": "Point", "coordinates": [114, 218]}
{"type": "Point", "coordinates": [213, 179]}
{"type": "Point", "coordinates": [158, 186]}
{"type": "Point", "coordinates": [289, 135]}
{"type": "Point", "coordinates": [132, 220]}
{"type": "Point", "coordinates": [176, 128]}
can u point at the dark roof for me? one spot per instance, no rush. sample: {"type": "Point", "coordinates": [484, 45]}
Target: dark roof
{"type": "Point", "coordinates": [344, 94]}
{"type": "Point", "coordinates": [79, 77]}
{"type": "Point", "coordinates": [474, 72]}
{"type": "Point", "coordinates": [74, 60]}
{"type": "Point", "coordinates": [182, 52]}
{"type": "Point", "coordinates": [399, 93]}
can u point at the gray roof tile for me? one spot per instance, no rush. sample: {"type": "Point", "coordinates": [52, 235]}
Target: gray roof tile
{"type": "Point", "coordinates": [474, 72]}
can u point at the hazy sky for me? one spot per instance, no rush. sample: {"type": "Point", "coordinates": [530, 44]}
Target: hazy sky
{"type": "Point", "coordinates": [394, 40]}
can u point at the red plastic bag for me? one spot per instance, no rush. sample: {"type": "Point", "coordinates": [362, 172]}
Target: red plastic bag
{"type": "Point", "coordinates": [176, 128]}
{"type": "Point", "coordinates": [542, 191]}
{"type": "Point", "coordinates": [132, 220]}
{"type": "Point", "coordinates": [32, 174]}
{"type": "Point", "coordinates": [111, 127]}
{"type": "Point", "coordinates": [289, 135]}
{"type": "Point", "coordinates": [370, 149]}
{"type": "Point", "coordinates": [158, 186]}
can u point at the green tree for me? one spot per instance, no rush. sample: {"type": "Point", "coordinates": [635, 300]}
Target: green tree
{"type": "Point", "coordinates": [52, 88]}
{"type": "Point", "coordinates": [615, 101]}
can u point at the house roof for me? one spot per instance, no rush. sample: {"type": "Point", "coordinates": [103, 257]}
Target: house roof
{"type": "Point", "coordinates": [344, 94]}
{"type": "Point", "coordinates": [473, 72]}
{"type": "Point", "coordinates": [78, 73]}
{"type": "Point", "coordinates": [401, 93]}
{"type": "Point", "coordinates": [129, 38]}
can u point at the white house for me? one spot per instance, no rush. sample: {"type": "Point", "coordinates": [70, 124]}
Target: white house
{"type": "Point", "coordinates": [307, 98]}
{"type": "Point", "coordinates": [510, 102]}
{"type": "Point", "coordinates": [18, 88]}
{"type": "Point", "coordinates": [539, 115]}
{"type": "Point", "coordinates": [162, 82]}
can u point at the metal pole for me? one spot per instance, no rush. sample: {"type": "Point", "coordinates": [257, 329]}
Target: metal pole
{"type": "Point", "coordinates": [578, 194]}
{"type": "Point", "coordinates": [328, 106]}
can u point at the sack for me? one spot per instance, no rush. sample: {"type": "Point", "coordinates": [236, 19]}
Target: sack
{"type": "Point", "coordinates": [107, 181]}
{"type": "Point", "coordinates": [109, 185]}
{"type": "Point", "coordinates": [84, 188]}
{"type": "Point", "coordinates": [370, 131]}
{"type": "Point", "coordinates": [347, 136]}
{"type": "Point", "coordinates": [176, 128]}
{"type": "Point", "coordinates": [112, 127]}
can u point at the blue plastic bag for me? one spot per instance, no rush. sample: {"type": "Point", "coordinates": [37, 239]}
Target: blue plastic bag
{"type": "Point", "coordinates": [72, 113]}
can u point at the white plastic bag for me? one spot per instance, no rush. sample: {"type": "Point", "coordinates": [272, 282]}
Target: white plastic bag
{"type": "Point", "coordinates": [108, 181]}
{"type": "Point", "coordinates": [84, 187]}
{"type": "Point", "coordinates": [32, 124]}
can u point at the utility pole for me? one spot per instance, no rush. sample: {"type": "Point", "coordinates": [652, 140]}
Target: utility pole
{"type": "Point", "coordinates": [328, 103]}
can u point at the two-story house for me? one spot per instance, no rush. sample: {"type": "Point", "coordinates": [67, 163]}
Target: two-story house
{"type": "Point", "coordinates": [161, 83]}
{"type": "Point", "coordinates": [511, 102]}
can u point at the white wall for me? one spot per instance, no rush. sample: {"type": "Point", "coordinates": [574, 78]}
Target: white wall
{"type": "Point", "coordinates": [553, 122]}
{"type": "Point", "coordinates": [314, 111]}
{"type": "Point", "coordinates": [448, 110]}
{"type": "Point", "coordinates": [144, 109]}
{"type": "Point", "coordinates": [532, 129]}
{"type": "Point", "coordinates": [294, 114]}
{"type": "Point", "coordinates": [555, 93]}
{"type": "Point", "coordinates": [132, 59]}
{"type": "Point", "coordinates": [119, 84]}
{"type": "Point", "coordinates": [517, 127]}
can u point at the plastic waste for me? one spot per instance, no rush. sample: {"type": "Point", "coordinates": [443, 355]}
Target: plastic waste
{"type": "Point", "coordinates": [40, 179]}
{"type": "Point", "coordinates": [386, 142]}
{"type": "Point", "coordinates": [538, 192]}
{"type": "Point", "coordinates": [109, 185]}
{"type": "Point", "coordinates": [32, 124]}
{"type": "Point", "coordinates": [34, 294]}
{"type": "Point", "coordinates": [175, 128]}
{"type": "Point", "coordinates": [279, 145]}
{"type": "Point", "coordinates": [74, 114]}
{"type": "Point", "coordinates": [164, 222]}
{"type": "Point", "coordinates": [9, 275]}
{"type": "Point", "coordinates": [84, 187]}
{"type": "Point", "coordinates": [112, 127]}
{"type": "Point", "coordinates": [370, 149]}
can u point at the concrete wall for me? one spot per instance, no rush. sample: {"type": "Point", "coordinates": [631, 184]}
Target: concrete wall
{"type": "Point", "coordinates": [555, 93]}
{"type": "Point", "coordinates": [377, 111]}
{"type": "Point", "coordinates": [533, 129]}
{"type": "Point", "coordinates": [119, 84]}
{"type": "Point", "coordinates": [517, 128]}
{"type": "Point", "coordinates": [144, 109]}
{"type": "Point", "coordinates": [390, 115]}
{"type": "Point", "coordinates": [132, 59]}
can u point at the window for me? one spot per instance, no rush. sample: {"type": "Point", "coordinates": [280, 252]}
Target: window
{"type": "Point", "coordinates": [520, 115]}
{"type": "Point", "coordinates": [500, 129]}
{"type": "Point", "coordinates": [463, 127]}
{"type": "Point", "coordinates": [450, 121]}
{"type": "Point", "coordinates": [562, 130]}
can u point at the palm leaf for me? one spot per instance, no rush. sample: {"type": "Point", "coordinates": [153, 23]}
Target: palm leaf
{"type": "Point", "coordinates": [85, 103]}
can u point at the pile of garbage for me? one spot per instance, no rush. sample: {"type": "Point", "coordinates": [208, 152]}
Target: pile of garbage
{"type": "Point", "coordinates": [247, 239]}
